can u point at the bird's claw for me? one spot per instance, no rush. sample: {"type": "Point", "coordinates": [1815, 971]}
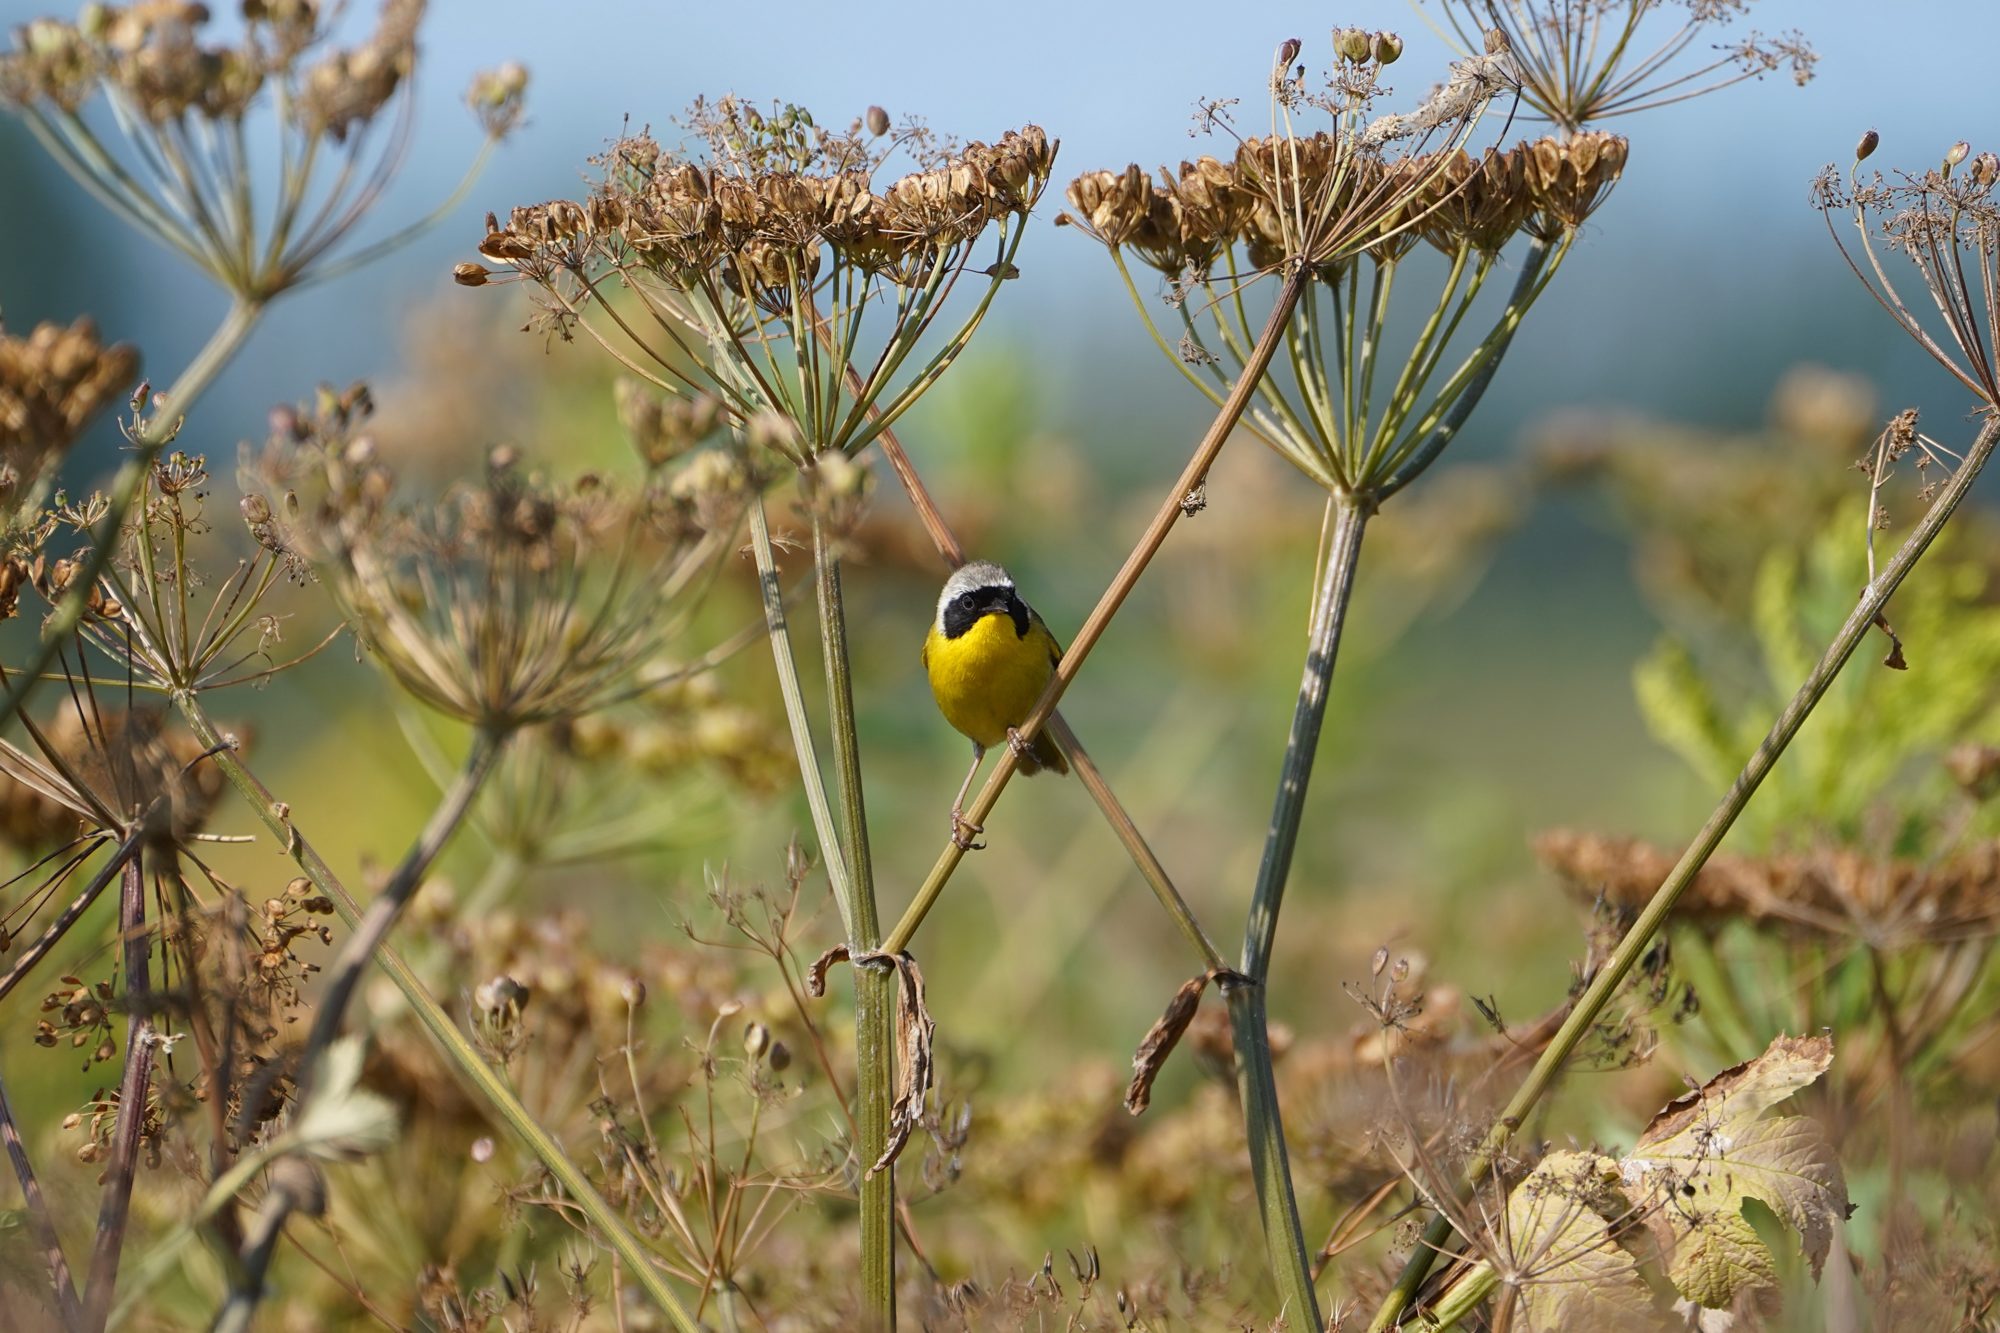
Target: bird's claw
{"type": "Point", "coordinates": [963, 833]}
{"type": "Point", "coordinates": [1022, 748]}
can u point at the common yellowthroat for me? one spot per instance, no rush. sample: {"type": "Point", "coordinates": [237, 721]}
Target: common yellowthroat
{"type": "Point", "coordinates": [989, 657]}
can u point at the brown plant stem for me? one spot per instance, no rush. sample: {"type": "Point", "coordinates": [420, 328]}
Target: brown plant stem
{"type": "Point", "coordinates": [132, 1095]}
{"type": "Point", "coordinates": [1636, 940]}
{"type": "Point", "coordinates": [85, 896]}
{"type": "Point", "coordinates": [39, 1220]}
{"type": "Point", "coordinates": [361, 947]}
{"type": "Point", "coordinates": [444, 1033]}
{"type": "Point", "coordinates": [1149, 543]}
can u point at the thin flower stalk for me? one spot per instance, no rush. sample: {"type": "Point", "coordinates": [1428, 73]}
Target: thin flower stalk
{"type": "Point", "coordinates": [1269, 1159]}
{"type": "Point", "coordinates": [443, 1030]}
{"type": "Point", "coordinates": [1605, 982]}
{"type": "Point", "coordinates": [134, 1095]}
{"type": "Point", "coordinates": [1582, 62]}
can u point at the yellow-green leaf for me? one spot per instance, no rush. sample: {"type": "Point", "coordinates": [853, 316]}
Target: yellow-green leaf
{"type": "Point", "coordinates": [1709, 1152]}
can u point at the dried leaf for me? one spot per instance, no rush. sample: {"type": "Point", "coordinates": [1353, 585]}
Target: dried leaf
{"type": "Point", "coordinates": [1709, 1153]}
{"type": "Point", "coordinates": [816, 974]}
{"type": "Point", "coordinates": [1160, 1041]}
{"type": "Point", "coordinates": [915, 1029]}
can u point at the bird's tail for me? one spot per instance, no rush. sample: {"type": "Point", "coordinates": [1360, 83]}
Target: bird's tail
{"type": "Point", "coordinates": [1044, 754]}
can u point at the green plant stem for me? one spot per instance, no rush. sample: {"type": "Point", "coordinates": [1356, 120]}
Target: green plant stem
{"type": "Point", "coordinates": [874, 996]}
{"type": "Point", "coordinates": [479, 1075]}
{"type": "Point", "coordinates": [773, 595]}
{"type": "Point", "coordinates": [330, 1012]}
{"type": "Point", "coordinates": [133, 1089]}
{"type": "Point", "coordinates": [1149, 543]}
{"type": "Point", "coordinates": [1291, 1262]}
{"type": "Point", "coordinates": [67, 614]}
{"type": "Point", "coordinates": [1602, 986]}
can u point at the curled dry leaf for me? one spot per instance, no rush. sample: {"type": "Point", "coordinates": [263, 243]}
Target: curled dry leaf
{"type": "Point", "coordinates": [1160, 1041]}
{"type": "Point", "coordinates": [816, 974]}
{"type": "Point", "coordinates": [915, 1029]}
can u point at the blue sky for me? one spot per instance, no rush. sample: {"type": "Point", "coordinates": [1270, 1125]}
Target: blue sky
{"type": "Point", "coordinates": [1704, 275]}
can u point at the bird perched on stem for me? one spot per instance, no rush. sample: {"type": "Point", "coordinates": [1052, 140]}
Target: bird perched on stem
{"type": "Point", "coordinates": [989, 657]}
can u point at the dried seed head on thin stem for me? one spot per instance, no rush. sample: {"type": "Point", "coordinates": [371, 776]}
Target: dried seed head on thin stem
{"type": "Point", "coordinates": [512, 599]}
{"type": "Point", "coordinates": [52, 382]}
{"type": "Point", "coordinates": [750, 255]}
{"type": "Point", "coordinates": [180, 163]}
{"type": "Point", "coordinates": [1579, 62]}
{"type": "Point", "coordinates": [1946, 223]}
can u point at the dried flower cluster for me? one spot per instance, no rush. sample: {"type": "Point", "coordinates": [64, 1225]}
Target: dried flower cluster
{"type": "Point", "coordinates": [763, 237]}
{"type": "Point", "coordinates": [1946, 222]}
{"type": "Point", "coordinates": [1836, 893]}
{"type": "Point", "coordinates": [93, 770]}
{"type": "Point", "coordinates": [511, 600]}
{"type": "Point", "coordinates": [1451, 199]}
{"type": "Point", "coordinates": [151, 59]}
{"type": "Point", "coordinates": [182, 102]}
{"type": "Point", "coordinates": [52, 382]}
{"type": "Point", "coordinates": [768, 250]}
{"type": "Point", "coordinates": [1580, 62]}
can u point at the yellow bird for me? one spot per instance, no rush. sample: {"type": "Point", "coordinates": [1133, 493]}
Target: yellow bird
{"type": "Point", "coordinates": [989, 657]}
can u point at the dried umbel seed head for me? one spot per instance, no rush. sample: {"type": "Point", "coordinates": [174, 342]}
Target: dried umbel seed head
{"type": "Point", "coordinates": [1352, 44]}
{"type": "Point", "coordinates": [1482, 202]}
{"type": "Point", "coordinates": [1568, 178]}
{"type": "Point", "coordinates": [663, 428]}
{"type": "Point", "coordinates": [497, 97]}
{"type": "Point", "coordinates": [52, 383]}
{"type": "Point", "coordinates": [347, 89]}
{"type": "Point", "coordinates": [1110, 205]}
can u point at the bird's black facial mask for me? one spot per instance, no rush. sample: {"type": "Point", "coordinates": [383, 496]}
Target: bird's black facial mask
{"type": "Point", "coordinates": [964, 611]}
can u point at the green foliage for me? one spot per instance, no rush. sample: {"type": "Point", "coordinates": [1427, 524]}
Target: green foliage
{"type": "Point", "coordinates": [1870, 751]}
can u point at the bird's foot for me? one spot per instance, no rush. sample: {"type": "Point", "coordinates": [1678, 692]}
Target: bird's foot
{"type": "Point", "coordinates": [963, 831]}
{"type": "Point", "coordinates": [1022, 748]}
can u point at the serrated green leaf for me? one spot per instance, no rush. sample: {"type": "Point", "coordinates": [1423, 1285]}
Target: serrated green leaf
{"type": "Point", "coordinates": [1719, 1255]}
{"type": "Point", "coordinates": [1681, 713]}
{"type": "Point", "coordinates": [1774, 619]}
{"type": "Point", "coordinates": [1709, 1152]}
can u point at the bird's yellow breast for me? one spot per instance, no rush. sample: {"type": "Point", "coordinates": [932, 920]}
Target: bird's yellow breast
{"type": "Point", "coordinates": [988, 678]}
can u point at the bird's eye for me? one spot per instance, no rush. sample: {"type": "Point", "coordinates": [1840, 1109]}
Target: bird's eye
{"type": "Point", "coordinates": [967, 600]}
